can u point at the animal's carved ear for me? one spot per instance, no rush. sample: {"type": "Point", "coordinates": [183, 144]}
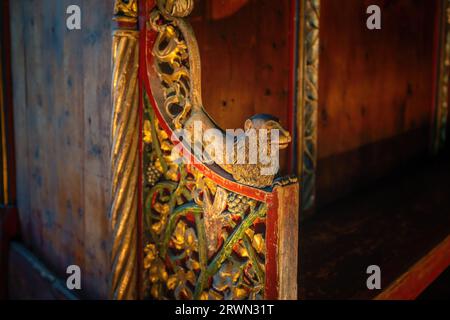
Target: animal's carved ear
{"type": "Point", "coordinates": [248, 124]}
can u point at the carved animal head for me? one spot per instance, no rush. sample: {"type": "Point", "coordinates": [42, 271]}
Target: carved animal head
{"type": "Point", "coordinates": [268, 122]}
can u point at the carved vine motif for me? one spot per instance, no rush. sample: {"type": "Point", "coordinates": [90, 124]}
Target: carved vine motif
{"type": "Point", "coordinates": [308, 98]}
{"type": "Point", "coordinates": [201, 241]}
{"type": "Point", "coordinates": [172, 66]}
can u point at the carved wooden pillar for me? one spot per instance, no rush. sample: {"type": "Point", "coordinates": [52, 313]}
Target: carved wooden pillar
{"type": "Point", "coordinates": [124, 152]}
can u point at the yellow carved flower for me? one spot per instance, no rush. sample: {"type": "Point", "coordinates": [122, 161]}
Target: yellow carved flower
{"type": "Point", "coordinates": [172, 172]}
{"type": "Point", "coordinates": [161, 132]}
{"type": "Point", "coordinates": [226, 277]}
{"type": "Point", "coordinates": [211, 295]}
{"type": "Point", "coordinates": [158, 166]}
{"type": "Point", "coordinates": [166, 146]}
{"type": "Point", "coordinates": [158, 226]}
{"type": "Point", "coordinates": [155, 290]}
{"type": "Point", "coordinates": [161, 208]}
{"type": "Point", "coordinates": [241, 250]}
{"type": "Point", "coordinates": [258, 243]}
{"type": "Point", "coordinates": [238, 293]}
{"type": "Point", "coordinates": [184, 238]}
{"type": "Point", "coordinates": [193, 264]}
{"type": "Point", "coordinates": [147, 135]}
{"type": "Point", "coordinates": [178, 282]}
{"type": "Point", "coordinates": [212, 186]}
{"type": "Point", "coordinates": [157, 271]}
{"type": "Point", "coordinates": [150, 255]}
{"type": "Point", "coordinates": [178, 235]}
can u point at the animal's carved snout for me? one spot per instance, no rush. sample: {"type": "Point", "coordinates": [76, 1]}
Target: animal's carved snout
{"type": "Point", "coordinates": [284, 137]}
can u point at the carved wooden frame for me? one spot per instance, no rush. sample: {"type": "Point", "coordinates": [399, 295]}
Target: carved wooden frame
{"type": "Point", "coordinates": [141, 101]}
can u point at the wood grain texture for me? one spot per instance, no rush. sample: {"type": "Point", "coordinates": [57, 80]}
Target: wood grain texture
{"type": "Point", "coordinates": [61, 82]}
{"type": "Point", "coordinates": [373, 85]}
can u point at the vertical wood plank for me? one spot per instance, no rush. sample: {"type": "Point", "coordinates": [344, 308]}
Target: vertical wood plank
{"type": "Point", "coordinates": [20, 120]}
{"type": "Point", "coordinates": [97, 117]}
{"type": "Point", "coordinates": [70, 141]}
{"type": "Point", "coordinates": [62, 134]}
{"type": "Point", "coordinates": [35, 116]}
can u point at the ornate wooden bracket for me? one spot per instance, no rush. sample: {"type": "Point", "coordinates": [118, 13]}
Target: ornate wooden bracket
{"type": "Point", "coordinates": [209, 229]}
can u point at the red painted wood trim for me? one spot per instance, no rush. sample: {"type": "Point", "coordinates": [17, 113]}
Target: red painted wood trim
{"type": "Point", "coordinates": [271, 285]}
{"type": "Point", "coordinates": [413, 282]}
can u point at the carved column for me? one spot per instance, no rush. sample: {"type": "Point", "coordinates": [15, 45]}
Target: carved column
{"type": "Point", "coordinates": [124, 152]}
{"type": "Point", "coordinates": [307, 99]}
{"type": "Point", "coordinates": [211, 230]}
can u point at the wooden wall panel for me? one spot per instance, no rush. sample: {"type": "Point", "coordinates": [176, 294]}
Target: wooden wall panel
{"type": "Point", "coordinates": [61, 83]}
{"type": "Point", "coordinates": [375, 91]}
{"type": "Point", "coordinates": [245, 61]}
